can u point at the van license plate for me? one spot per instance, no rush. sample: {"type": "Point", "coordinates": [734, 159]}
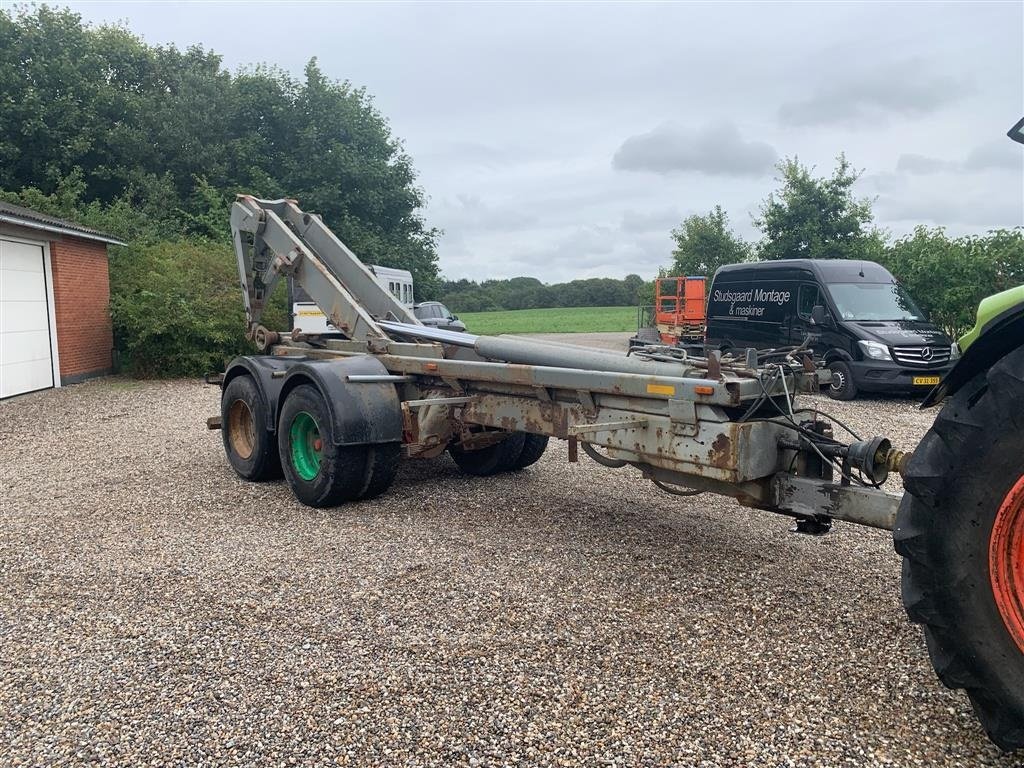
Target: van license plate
{"type": "Point", "coordinates": [928, 381]}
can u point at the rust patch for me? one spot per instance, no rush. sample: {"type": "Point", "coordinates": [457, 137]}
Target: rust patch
{"type": "Point", "coordinates": [508, 423]}
{"type": "Point", "coordinates": [521, 374]}
{"type": "Point", "coordinates": [410, 425]}
{"type": "Point", "coordinates": [720, 455]}
{"type": "Point", "coordinates": [714, 367]}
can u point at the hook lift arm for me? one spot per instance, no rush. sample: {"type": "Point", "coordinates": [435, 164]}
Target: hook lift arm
{"type": "Point", "coordinates": [274, 238]}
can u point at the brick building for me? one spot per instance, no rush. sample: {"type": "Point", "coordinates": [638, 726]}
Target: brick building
{"type": "Point", "coordinates": [54, 301]}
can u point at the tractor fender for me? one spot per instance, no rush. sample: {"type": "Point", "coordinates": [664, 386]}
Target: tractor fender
{"type": "Point", "coordinates": [362, 413]}
{"type": "Point", "coordinates": [999, 331]}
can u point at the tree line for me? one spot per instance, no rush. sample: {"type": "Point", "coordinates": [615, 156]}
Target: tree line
{"type": "Point", "coordinates": [530, 293]}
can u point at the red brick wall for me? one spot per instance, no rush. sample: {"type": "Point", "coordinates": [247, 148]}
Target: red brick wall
{"type": "Point", "coordinates": [81, 294]}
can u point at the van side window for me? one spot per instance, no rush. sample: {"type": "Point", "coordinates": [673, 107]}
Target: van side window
{"type": "Point", "coordinates": [807, 299]}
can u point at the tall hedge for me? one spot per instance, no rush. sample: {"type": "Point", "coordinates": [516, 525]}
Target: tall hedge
{"type": "Point", "coordinates": [177, 308]}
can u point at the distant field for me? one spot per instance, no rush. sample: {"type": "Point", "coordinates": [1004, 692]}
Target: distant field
{"type": "Point", "coordinates": [567, 320]}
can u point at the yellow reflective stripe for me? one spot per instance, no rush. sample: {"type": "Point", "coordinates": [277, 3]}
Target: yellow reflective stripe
{"type": "Point", "coordinates": [661, 389]}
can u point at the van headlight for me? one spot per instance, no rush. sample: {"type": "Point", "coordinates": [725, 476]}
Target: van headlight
{"type": "Point", "coordinates": [954, 351]}
{"type": "Point", "coordinates": [875, 350]}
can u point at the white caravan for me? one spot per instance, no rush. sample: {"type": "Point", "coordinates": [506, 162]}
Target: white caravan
{"type": "Point", "coordinates": [307, 317]}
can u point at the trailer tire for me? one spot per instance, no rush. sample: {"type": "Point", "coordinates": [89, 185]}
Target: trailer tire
{"type": "Point", "coordinates": [491, 460]}
{"type": "Point", "coordinates": [250, 447]}
{"type": "Point", "coordinates": [381, 467]}
{"type": "Point", "coordinates": [960, 530]}
{"type": "Point", "coordinates": [842, 386]}
{"type": "Point", "coordinates": [533, 448]}
{"type": "Point", "coordinates": [319, 472]}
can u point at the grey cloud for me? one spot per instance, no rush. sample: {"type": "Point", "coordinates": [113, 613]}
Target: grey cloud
{"type": "Point", "coordinates": [974, 202]}
{"type": "Point", "coordinates": [717, 149]}
{"type": "Point", "coordinates": [996, 155]}
{"type": "Point", "coordinates": [469, 212]}
{"type": "Point", "coordinates": [870, 97]}
{"type": "Point", "coordinates": [583, 247]}
{"type": "Point", "coordinates": [979, 210]}
{"type": "Point", "coordinates": [879, 183]}
{"type": "Point", "coordinates": [638, 221]}
{"type": "Point", "coordinates": [920, 165]}
{"type": "Point", "coordinates": [564, 253]}
{"type": "Point", "coordinates": [474, 154]}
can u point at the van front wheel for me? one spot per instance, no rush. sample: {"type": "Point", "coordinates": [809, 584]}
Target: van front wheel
{"type": "Point", "coordinates": [842, 386]}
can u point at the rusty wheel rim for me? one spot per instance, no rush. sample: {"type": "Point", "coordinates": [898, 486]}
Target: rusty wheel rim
{"type": "Point", "coordinates": [241, 429]}
{"type": "Point", "coordinates": [1006, 562]}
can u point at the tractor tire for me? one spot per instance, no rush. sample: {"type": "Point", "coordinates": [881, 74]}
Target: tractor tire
{"type": "Point", "coordinates": [960, 530]}
{"type": "Point", "coordinates": [533, 448]}
{"type": "Point", "coordinates": [842, 386]}
{"type": "Point", "coordinates": [250, 447]}
{"type": "Point", "coordinates": [320, 473]}
{"type": "Point", "coordinates": [483, 462]}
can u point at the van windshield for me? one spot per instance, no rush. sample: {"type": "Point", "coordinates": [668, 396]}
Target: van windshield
{"type": "Point", "coordinates": [874, 301]}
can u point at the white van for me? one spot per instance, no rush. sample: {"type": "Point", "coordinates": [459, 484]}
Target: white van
{"type": "Point", "coordinates": [307, 317]}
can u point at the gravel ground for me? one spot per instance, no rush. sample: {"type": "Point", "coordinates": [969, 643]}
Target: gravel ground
{"type": "Point", "coordinates": [156, 610]}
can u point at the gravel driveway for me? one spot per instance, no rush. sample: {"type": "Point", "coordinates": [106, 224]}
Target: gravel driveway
{"type": "Point", "coordinates": [156, 610]}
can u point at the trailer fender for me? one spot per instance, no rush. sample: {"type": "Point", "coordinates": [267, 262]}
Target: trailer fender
{"type": "Point", "coordinates": [268, 372]}
{"type": "Point", "coordinates": [998, 331]}
{"type": "Point", "coordinates": [363, 413]}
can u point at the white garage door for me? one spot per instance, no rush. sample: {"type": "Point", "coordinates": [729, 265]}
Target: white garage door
{"type": "Point", "coordinates": [26, 359]}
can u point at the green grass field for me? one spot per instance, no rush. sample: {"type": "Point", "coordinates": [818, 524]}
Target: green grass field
{"type": "Point", "coordinates": [566, 320]}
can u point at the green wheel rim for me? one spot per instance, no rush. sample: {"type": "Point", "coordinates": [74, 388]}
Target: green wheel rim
{"type": "Point", "coordinates": [307, 446]}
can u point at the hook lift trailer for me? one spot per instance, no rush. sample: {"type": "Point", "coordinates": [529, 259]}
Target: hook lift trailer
{"type": "Point", "coordinates": [335, 415]}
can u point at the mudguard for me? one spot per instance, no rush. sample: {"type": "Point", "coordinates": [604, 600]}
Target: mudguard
{"type": "Point", "coordinates": [998, 331]}
{"type": "Point", "coordinates": [268, 371]}
{"type": "Point", "coordinates": [362, 413]}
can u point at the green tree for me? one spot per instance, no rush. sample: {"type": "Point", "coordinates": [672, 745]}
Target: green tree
{"type": "Point", "coordinates": [811, 217]}
{"type": "Point", "coordinates": [949, 276]}
{"type": "Point", "coordinates": [634, 287]}
{"type": "Point", "coordinates": [705, 243]}
{"type": "Point", "coordinates": [170, 131]}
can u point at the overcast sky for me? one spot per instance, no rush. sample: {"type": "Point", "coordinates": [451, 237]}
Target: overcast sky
{"type": "Point", "coordinates": [567, 140]}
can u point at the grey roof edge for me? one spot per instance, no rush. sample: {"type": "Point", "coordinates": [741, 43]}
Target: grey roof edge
{"type": "Point", "coordinates": [12, 214]}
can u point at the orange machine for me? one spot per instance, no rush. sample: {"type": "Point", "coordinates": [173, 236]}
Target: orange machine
{"type": "Point", "coordinates": [679, 309]}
